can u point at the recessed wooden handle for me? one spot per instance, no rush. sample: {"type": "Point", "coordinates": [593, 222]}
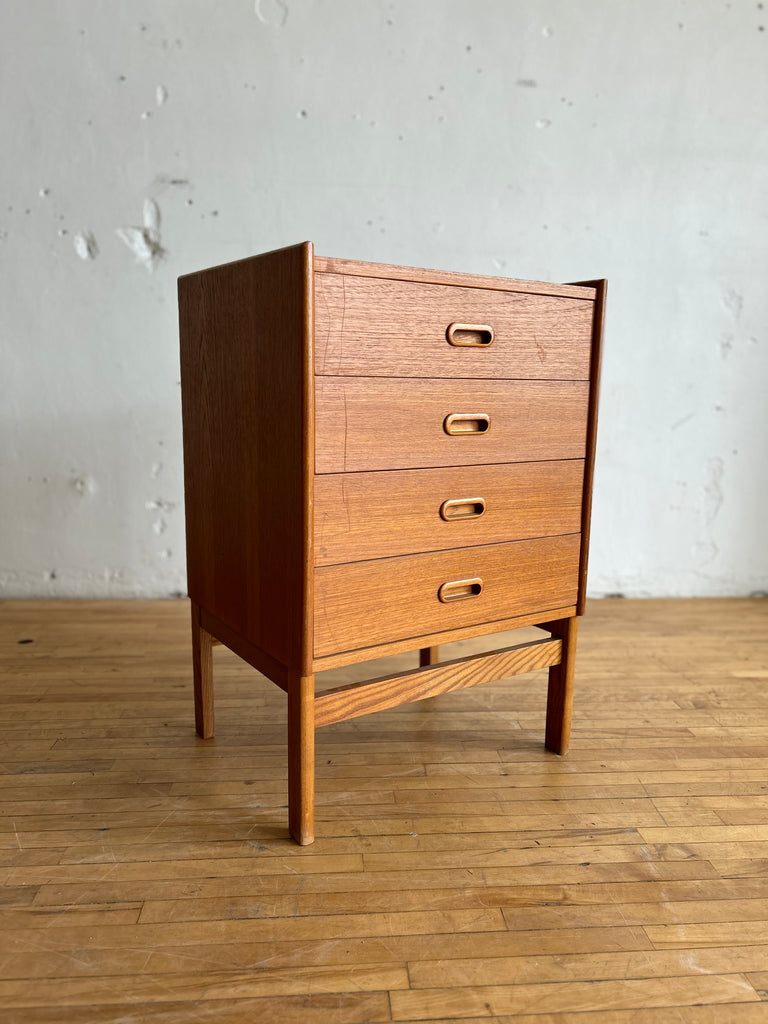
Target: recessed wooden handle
{"type": "Point", "coordinates": [469, 335]}
{"type": "Point", "coordinates": [462, 508]}
{"type": "Point", "coordinates": [467, 423]}
{"type": "Point", "coordinates": [459, 590]}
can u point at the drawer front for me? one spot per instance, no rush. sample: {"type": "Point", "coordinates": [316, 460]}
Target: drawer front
{"type": "Point", "coordinates": [360, 516]}
{"type": "Point", "coordinates": [375, 327]}
{"type": "Point", "coordinates": [370, 423]}
{"type": "Point", "coordinates": [361, 604]}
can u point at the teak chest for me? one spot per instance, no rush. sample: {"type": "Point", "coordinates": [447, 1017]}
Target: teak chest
{"type": "Point", "coordinates": [380, 459]}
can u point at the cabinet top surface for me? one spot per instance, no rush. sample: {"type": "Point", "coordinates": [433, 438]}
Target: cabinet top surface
{"type": "Point", "coordinates": [355, 268]}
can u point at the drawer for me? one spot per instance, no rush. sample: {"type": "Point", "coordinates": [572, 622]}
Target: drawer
{"type": "Point", "coordinates": [371, 423]}
{"type": "Point", "coordinates": [361, 604]}
{"type": "Point", "coordinates": [360, 516]}
{"type": "Point", "coordinates": [373, 327]}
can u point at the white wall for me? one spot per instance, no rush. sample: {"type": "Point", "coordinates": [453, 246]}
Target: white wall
{"type": "Point", "coordinates": [553, 140]}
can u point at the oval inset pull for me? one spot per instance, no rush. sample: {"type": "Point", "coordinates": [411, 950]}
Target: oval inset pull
{"type": "Point", "coordinates": [467, 423]}
{"type": "Point", "coordinates": [469, 335]}
{"type": "Point", "coordinates": [462, 508]}
{"type": "Point", "coordinates": [459, 590]}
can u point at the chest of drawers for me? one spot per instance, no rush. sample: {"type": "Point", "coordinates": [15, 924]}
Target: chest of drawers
{"type": "Point", "coordinates": [380, 459]}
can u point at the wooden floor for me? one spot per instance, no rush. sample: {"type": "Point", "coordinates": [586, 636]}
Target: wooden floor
{"type": "Point", "coordinates": [460, 871]}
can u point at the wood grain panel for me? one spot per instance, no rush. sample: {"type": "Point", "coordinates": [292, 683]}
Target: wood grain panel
{"type": "Point", "coordinates": [373, 327]}
{"type": "Point", "coordinates": [365, 603]}
{"type": "Point", "coordinates": [356, 268]}
{"type": "Point", "coordinates": [246, 346]}
{"type": "Point", "coordinates": [374, 515]}
{"type": "Point", "coordinates": [357, 699]}
{"type": "Point", "coordinates": [371, 423]}
{"type": "Point", "coordinates": [476, 630]}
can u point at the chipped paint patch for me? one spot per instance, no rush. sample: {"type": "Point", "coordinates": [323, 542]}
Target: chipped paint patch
{"type": "Point", "coordinates": [85, 246]}
{"type": "Point", "coordinates": [271, 12]}
{"type": "Point", "coordinates": [161, 505]}
{"type": "Point", "coordinates": [144, 242]}
{"type": "Point", "coordinates": [83, 485]}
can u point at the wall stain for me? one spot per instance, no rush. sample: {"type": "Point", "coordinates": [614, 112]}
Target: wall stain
{"type": "Point", "coordinates": [713, 488]}
{"type": "Point", "coordinates": [733, 301]}
{"type": "Point", "coordinates": [680, 422]}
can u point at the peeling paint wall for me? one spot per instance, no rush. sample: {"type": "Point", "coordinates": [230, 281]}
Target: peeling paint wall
{"type": "Point", "coordinates": [551, 140]}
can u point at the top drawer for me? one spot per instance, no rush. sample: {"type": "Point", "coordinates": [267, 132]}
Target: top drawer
{"type": "Point", "coordinates": [374, 327]}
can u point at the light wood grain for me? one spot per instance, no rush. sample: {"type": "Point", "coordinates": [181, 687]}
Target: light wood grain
{"type": "Point", "coordinates": [360, 604]}
{"type": "Point", "coordinates": [375, 327]}
{"type": "Point", "coordinates": [449, 636]}
{"type": "Point", "coordinates": [359, 516]}
{"type": "Point", "coordinates": [372, 423]}
{"type": "Point", "coordinates": [356, 699]}
{"type": "Point", "coordinates": [147, 873]}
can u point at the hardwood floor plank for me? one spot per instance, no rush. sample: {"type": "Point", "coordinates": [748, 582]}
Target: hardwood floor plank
{"type": "Point", "coordinates": [619, 966]}
{"type": "Point", "coordinates": [424, 1004]}
{"type": "Point", "coordinates": [268, 929]}
{"type": "Point", "coordinates": [315, 1008]}
{"type": "Point", "coordinates": [720, 933]}
{"type": "Point", "coordinates": [743, 1013]}
{"type": "Point", "coordinates": [148, 988]}
{"type": "Point", "coordinates": [256, 955]}
{"type": "Point", "coordinates": [630, 882]}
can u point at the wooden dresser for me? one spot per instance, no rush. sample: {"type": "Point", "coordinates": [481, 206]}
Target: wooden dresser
{"type": "Point", "coordinates": [380, 459]}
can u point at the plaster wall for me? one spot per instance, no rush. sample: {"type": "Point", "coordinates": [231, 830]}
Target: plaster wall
{"type": "Point", "coordinates": [550, 140]}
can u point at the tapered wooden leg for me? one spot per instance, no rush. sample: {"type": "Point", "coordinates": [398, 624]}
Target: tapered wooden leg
{"type": "Point", "coordinates": [560, 692]}
{"type": "Point", "coordinates": [428, 656]}
{"type": "Point", "coordinates": [301, 759]}
{"type": "Point", "coordinates": [202, 669]}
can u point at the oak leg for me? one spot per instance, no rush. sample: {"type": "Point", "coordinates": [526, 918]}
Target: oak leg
{"type": "Point", "coordinates": [202, 669]}
{"type": "Point", "coordinates": [428, 656]}
{"type": "Point", "coordinates": [560, 692]}
{"type": "Point", "coordinates": [301, 759]}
